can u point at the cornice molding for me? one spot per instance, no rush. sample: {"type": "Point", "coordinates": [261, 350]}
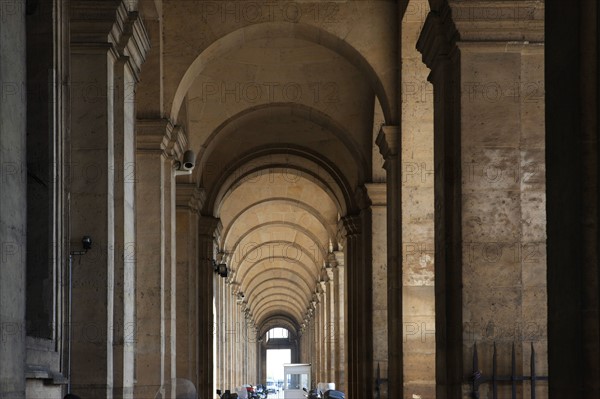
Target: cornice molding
{"type": "Point", "coordinates": [484, 21]}
{"type": "Point", "coordinates": [92, 21]}
{"type": "Point", "coordinates": [134, 42]}
{"type": "Point", "coordinates": [499, 20]}
{"type": "Point", "coordinates": [109, 22]}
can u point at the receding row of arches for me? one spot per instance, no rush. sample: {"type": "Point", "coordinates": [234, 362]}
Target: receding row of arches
{"type": "Point", "coordinates": [339, 194]}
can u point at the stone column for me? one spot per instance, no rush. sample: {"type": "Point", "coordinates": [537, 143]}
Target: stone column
{"type": "Point", "coordinates": [236, 363]}
{"type": "Point", "coordinates": [13, 199]}
{"type": "Point", "coordinates": [158, 143]}
{"type": "Point", "coordinates": [326, 326]}
{"type": "Point", "coordinates": [104, 60]}
{"type": "Point", "coordinates": [170, 273]}
{"type": "Point", "coordinates": [417, 211]}
{"type": "Point", "coordinates": [208, 229]}
{"type": "Point", "coordinates": [490, 186]}
{"type": "Point", "coordinates": [190, 200]}
{"type": "Point", "coordinates": [263, 361]}
{"type": "Point", "coordinates": [221, 328]}
{"type": "Point", "coordinates": [332, 320]}
{"type": "Point", "coordinates": [92, 65]}
{"type": "Point", "coordinates": [358, 257]}
{"type": "Point", "coordinates": [378, 199]}
{"type": "Point", "coordinates": [324, 330]}
{"type": "Point", "coordinates": [339, 284]}
{"type": "Point", "coordinates": [572, 104]}
{"type": "Point", "coordinates": [388, 141]}
{"type": "Point", "coordinates": [126, 77]}
{"type": "Point", "coordinates": [229, 337]}
{"type": "Point", "coordinates": [317, 298]}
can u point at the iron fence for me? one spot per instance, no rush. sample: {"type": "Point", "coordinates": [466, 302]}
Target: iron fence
{"type": "Point", "coordinates": [478, 378]}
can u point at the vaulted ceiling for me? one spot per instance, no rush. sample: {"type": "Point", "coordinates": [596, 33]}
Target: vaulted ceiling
{"type": "Point", "coordinates": [281, 115]}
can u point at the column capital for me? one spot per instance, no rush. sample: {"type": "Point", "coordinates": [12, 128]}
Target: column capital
{"type": "Point", "coordinates": [388, 141]}
{"type": "Point", "coordinates": [316, 298]}
{"type": "Point", "coordinates": [331, 262]}
{"type": "Point", "coordinates": [323, 283]}
{"type": "Point", "coordinates": [161, 135]}
{"type": "Point", "coordinates": [377, 193]}
{"type": "Point", "coordinates": [190, 196]}
{"type": "Point", "coordinates": [330, 274]}
{"type": "Point", "coordinates": [350, 225]}
{"type": "Point", "coordinates": [438, 37]}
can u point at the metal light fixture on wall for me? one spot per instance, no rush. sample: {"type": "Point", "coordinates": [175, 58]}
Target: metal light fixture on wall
{"type": "Point", "coordinates": [220, 268]}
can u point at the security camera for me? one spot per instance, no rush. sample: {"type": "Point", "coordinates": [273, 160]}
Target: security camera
{"type": "Point", "coordinates": [87, 242]}
{"type": "Point", "coordinates": [185, 167]}
{"type": "Point", "coordinates": [189, 160]}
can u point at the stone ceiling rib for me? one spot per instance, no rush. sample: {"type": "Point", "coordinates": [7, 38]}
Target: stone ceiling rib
{"type": "Point", "coordinates": [260, 117]}
{"type": "Point", "coordinates": [274, 243]}
{"type": "Point", "coordinates": [285, 200]}
{"type": "Point", "coordinates": [282, 301]}
{"type": "Point", "coordinates": [322, 246]}
{"type": "Point", "coordinates": [281, 168]}
{"type": "Point", "coordinates": [278, 290]}
{"type": "Point", "coordinates": [287, 270]}
{"type": "Point", "coordinates": [267, 311]}
{"type": "Point", "coordinates": [296, 285]}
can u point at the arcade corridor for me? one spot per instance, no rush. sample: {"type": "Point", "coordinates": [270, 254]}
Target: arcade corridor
{"type": "Point", "coordinates": [402, 194]}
